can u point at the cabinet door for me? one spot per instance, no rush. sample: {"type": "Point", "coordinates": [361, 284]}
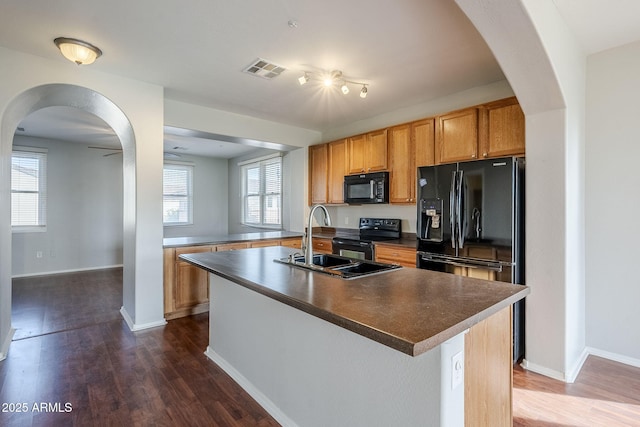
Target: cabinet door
{"type": "Point", "coordinates": [192, 286]}
{"type": "Point", "coordinates": [402, 167]}
{"type": "Point", "coordinates": [338, 158]}
{"type": "Point", "coordinates": [318, 167]}
{"type": "Point", "coordinates": [357, 149]}
{"type": "Point", "coordinates": [457, 136]}
{"type": "Point", "coordinates": [502, 129]}
{"type": "Point", "coordinates": [376, 151]}
{"type": "Point", "coordinates": [423, 133]}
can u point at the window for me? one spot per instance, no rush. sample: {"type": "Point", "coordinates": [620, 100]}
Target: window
{"type": "Point", "coordinates": [177, 194]}
{"type": "Point", "coordinates": [28, 189]}
{"type": "Point", "coordinates": [262, 192]}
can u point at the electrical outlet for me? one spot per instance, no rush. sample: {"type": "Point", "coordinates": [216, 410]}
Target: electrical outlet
{"type": "Point", "coordinates": [38, 254]}
{"type": "Point", "coordinates": [457, 370]}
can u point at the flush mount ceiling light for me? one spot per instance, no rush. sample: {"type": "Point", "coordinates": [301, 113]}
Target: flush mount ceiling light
{"type": "Point", "coordinates": [78, 51]}
{"type": "Point", "coordinates": [332, 78]}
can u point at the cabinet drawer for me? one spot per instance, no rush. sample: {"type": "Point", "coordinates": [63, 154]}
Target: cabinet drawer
{"type": "Point", "coordinates": [322, 245]}
{"type": "Point", "coordinates": [264, 243]}
{"type": "Point", "coordinates": [394, 254]}
{"type": "Point", "coordinates": [191, 250]}
{"type": "Point", "coordinates": [295, 243]}
{"type": "Point", "coordinates": [232, 246]}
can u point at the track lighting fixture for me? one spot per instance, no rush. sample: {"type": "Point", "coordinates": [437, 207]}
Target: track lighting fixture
{"type": "Point", "coordinates": [303, 79]}
{"type": "Point", "coordinates": [332, 78]}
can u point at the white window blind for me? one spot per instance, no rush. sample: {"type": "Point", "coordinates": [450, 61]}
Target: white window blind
{"type": "Point", "coordinates": [29, 189]}
{"type": "Point", "coordinates": [262, 192]}
{"type": "Point", "coordinates": [177, 194]}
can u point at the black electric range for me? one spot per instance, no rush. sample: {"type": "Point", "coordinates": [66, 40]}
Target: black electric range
{"type": "Point", "coordinates": [370, 230]}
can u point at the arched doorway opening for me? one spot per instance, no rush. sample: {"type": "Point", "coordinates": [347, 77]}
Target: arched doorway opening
{"type": "Point", "coordinates": [92, 102]}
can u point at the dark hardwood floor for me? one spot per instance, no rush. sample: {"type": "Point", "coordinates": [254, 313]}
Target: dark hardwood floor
{"type": "Point", "coordinates": [75, 359]}
{"type": "Point", "coordinates": [95, 372]}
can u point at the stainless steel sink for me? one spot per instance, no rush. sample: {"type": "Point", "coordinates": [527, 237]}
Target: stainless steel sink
{"type": "Point", "coordinates": [339, 266]}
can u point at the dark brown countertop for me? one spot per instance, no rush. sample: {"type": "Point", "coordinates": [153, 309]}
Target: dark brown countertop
{"type": "Point", "coordinates": [176, 242]}
{"type": "Point", "coordinates": [408, 309]}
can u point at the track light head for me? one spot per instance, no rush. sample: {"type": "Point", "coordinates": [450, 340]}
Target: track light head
{"type": "Point", "coordinates": [363, 92]}
{"type": "Point", "coordinates": [303, 79]}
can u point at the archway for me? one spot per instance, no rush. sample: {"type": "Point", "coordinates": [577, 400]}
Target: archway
{"type": "Point", "coordinates": [90, 101]}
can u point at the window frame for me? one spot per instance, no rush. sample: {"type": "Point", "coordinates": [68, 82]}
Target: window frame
{"type": "Point", "coordinates": [40, 154]}
{"type": "Point", "coordinates": [190, 168]}
{"type": "Point", "coordinates": [261, 162]}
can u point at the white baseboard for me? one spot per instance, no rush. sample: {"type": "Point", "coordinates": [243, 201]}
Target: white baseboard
{"type": "Point", "coordinates": [543, 370]}
{"type": "Point", "coordinates": [4, 349]}
{"type": "Point", "coordinates": [577, 367]}
{"type": "Point", "coordinates": [631, 361]}
{"type": "Point", "coordinates": [247, 386]}
{"type": "Point", "coordinates": [74, 270]}
{"type": "Point", "coordinates": [572, 374]}
{"type": "Point", "coordinates": [139, 327]}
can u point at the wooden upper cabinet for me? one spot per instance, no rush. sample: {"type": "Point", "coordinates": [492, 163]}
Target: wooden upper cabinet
{"type": "Point", "coordinates": [502, 129]}
{"type": "Point", "coordinates": [402, 165]}
{"type": "Point", "coordinates": [410, 145]}
{"type": "Point", "coordinates": [424, 139]}
{"type": "Point", "coordinates": [338, 157]}
{"type": "Point", "coordinates": [356, 147]}
{"type": "Point", "coordinates": [318, 167]}
{"type": "Point", "coordinates": [377, 155]}
{"type": "Point", "coordinates": [368, 152]}
{"type": "Point", "coordinates": [457, 136]}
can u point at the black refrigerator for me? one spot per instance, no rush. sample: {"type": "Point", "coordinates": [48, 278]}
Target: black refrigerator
{"type": "Point", "coordinates": [471, 222]}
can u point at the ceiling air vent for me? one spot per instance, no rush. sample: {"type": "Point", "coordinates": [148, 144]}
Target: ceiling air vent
{"type": "Point", "coordinates": [263, 68]}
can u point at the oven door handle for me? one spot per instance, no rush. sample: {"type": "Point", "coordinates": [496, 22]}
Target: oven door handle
{"type": "Point", "coordinates": [350, 243]}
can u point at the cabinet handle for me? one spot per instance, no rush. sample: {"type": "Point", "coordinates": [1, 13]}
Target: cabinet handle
{"type": "Point", "coordinates": [484, 154]}
{"type": "Point", "coordinates": [473, 156]}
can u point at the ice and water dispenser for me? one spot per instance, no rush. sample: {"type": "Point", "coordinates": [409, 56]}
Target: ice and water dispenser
{"type": "Point", "coordinates": [430, 220]}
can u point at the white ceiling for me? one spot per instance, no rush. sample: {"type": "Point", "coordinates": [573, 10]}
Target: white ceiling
{"type": "Point", "coordinates": [407, 51]}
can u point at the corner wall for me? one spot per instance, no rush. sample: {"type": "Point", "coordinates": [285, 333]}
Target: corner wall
{"type": "Point", "coordinates": [546, 69]}
{"type": "Point", "coordinates": [613, 204]}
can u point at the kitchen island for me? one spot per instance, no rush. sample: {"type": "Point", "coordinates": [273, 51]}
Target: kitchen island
{"type": "Point", "coordinates": [377, 350]}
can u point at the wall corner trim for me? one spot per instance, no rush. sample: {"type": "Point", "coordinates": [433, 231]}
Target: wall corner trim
{"type": "Point", "coordinates": [139, 327]}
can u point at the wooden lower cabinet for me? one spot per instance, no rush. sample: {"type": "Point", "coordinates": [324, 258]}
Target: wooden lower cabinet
{"type": "Point", "coordinates": [394, 254]}
{"type": "Point", "coordinates": [186, 287]}
{"type": "Point", "coordinates": [488, 371]}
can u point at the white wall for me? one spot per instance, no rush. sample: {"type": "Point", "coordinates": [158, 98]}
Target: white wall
{"type": "Point", "coordinates": [142, 104]}
{"type": "Point", "coordinates": [210, 197]}
{"type": "Point", "coordinates": [84, 212]}
{"type": "Point", "coordinates": [613, 203]}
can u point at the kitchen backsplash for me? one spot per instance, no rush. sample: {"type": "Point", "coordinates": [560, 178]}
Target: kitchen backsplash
{"type": "Point", "coordinates": [349, 216]}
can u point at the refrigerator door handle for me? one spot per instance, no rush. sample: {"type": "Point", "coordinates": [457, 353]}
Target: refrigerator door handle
{"type": "Point", "coordinates": [459, 210]}
{"type": "Point", "coordinates": [452, 212]}
{"type": "Point", "coordinates": [496, 266]}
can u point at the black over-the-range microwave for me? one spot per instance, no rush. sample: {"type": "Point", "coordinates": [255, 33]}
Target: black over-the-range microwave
{"type": "Point", "coordinates": [366, 188]}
